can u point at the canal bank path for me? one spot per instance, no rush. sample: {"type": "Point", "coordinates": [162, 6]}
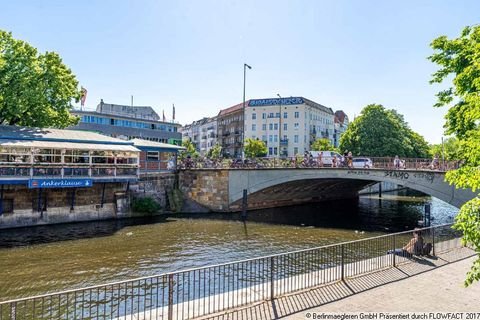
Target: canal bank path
{"type": "Point", "coordinates": [440, 289]}
{"type": "Point", "coordinates": [433, 286]}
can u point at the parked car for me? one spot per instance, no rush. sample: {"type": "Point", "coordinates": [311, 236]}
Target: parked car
{"type": "Point", "coordinates": [327, 157]}
{"type": "Point", "coordinates": [361, 162]}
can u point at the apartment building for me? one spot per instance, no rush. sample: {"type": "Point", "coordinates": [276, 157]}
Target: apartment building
{"type": "Point", "coordinates": [288, 126]}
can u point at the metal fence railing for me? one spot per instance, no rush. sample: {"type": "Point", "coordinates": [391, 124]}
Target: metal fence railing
{"type": "Point", "coordinates": [202, 291]}
{"type": "Point", "coordinates": [292, 162]}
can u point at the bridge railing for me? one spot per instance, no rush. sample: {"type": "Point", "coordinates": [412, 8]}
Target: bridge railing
{"type": "Point", "coordinates": [207, 290]}
{"type": "Point", "coordinates": [292, 162]}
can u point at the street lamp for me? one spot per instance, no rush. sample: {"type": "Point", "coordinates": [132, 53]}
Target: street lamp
{"type": "Point", "coordinates": [279, 126]}
{"type": "Point", "coordinates": [245, 66]}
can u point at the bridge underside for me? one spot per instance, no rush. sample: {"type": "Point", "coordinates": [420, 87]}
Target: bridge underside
{"type": "Point", "coordinates": [303, 191]}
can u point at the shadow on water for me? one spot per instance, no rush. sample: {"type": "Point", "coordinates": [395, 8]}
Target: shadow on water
{"type": "Point", "coordinates": [369, 213]}
{"type": "Point", "coordinates": [17, 237]}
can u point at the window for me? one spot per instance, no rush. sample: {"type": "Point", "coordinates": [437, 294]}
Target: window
{"type": "Point", "coordinates": [285, 115]}
{"type": "Point", "coordinates": [254, 116]}
{"type": "Point", "coordinates": [270, 115]}
{"type": "Point", "coordinates": [270, 126]}
{"type": "Point", "coordinates": [297, 114]}
{"type": "Point", "coordinates": [270, 138]}
{"type": "Point", "coordinates": [275, 126]}
{"type": "Point", "coordinates": [254, 127]}
{"type": "Point", "coordinates": [285, 127]}
{"type": "Point", "coordinates": [152, 156]}
{"type": "Point", "coordinates": [275, 151]}
{"type": "Point", "coordinates": [264, 127]}
{"type": "Point", "coordinates": [270, 151]}
{"type": "Point", "coordinates": [295, 138]}
{"type": "Point", "coordinates": [295, 126]}
{"type": "Point", "coordinates": [264, 115]}
{"type": "Point", "coordinates": [264, 138]}
{"type": "Point", "coordinates": [295, 150]}
{"type": "Point", "coordinates": [277, 115]}
{"type": "Point", "coordinates": [275, 138]}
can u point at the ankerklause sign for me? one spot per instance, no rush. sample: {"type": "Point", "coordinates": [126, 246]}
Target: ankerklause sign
{"type": "Point", "coordinates": [59, 183]}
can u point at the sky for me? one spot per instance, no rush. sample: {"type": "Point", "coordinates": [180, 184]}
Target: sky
{"type": "Point", "coordinates": [342, 54]}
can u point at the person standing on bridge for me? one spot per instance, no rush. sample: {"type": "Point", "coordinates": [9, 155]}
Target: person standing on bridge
{"type": "Point", "coordinates": [319, 160]}
{"type": "Point", "coordinates": [350, 160]}
{"type": "Point", "coordinates": [396, 162]}
{"type": "Point", "coordinates": [334, 161]}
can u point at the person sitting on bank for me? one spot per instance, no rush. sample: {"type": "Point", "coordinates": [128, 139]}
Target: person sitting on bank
{"type": "Point", "coordinates": [413, 247]}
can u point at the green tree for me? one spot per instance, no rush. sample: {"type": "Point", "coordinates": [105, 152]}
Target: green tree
{"type": "Point", "coordinates": [379, 132]}
{"type": "Point", "coordinates": [450, 149]}
{"type": "Point", "coordinates": [255, 148]}
{"type": "Point", "coordinates": [190, 150]}
{"type": "Point", "coordinates": [215, 152]}
{"type": "Point", "coordinates": [322, 145]}
{"type": "Point", "coordinates": [35, 89]}
{"type": "Point", "coordinates": [458, 59]}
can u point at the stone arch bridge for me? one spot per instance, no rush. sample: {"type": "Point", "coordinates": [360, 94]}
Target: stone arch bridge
{"type": "Point", "coordinates": [222, 189]}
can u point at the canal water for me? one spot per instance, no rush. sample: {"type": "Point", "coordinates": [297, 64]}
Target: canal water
{"type": "Point", "coordinates": [52, 258]}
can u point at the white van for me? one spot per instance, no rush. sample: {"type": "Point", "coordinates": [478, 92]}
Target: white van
{"type": "Point", "coordinates": [327, 157]}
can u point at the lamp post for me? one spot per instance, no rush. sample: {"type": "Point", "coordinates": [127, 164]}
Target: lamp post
{"type": "Point", "coordinates": [279, 125]}
{"type": "Point", "coordinates": [245, 66]}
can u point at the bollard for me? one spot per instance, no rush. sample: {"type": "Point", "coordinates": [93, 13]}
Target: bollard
{"type": "Point", "coordinates": [244, 205]}
{"type": "Point", "coordinates": [427, 215]}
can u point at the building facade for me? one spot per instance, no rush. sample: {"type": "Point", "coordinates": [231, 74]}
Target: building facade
{"type": "Point", "coordinates": [128, 122]}
{"type": "Point", "coordinates": [340, 126]}
{"type": "Point", "coordinates": [230, 130]}
{"type": "Point", "coordinates": [202, 133]}
{"type": "Point", "coordinates": [288, 126]}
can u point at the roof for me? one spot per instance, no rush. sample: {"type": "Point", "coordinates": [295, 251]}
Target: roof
{"type": "Point", "coordinates": [340, 116]}
{"type": "Point", "coordinates": [234, 108]}
{"type": "Point", "coordinates": [153, 144]}
{"type": "Point", "coordinates": [58, 135]}
{"type": "Point", "coordinates": [66, 145]}
{"type": "Point", "coordinates": [121, 116]}
{"type": "Point", "coordinates": [318, 106]}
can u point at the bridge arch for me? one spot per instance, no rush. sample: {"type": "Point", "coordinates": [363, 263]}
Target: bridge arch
{"type": "Point", "coordinates": [271, 187]}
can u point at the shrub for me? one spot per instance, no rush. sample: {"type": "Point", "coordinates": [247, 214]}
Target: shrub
{"type": "Point", "coordinates": [145, 205]}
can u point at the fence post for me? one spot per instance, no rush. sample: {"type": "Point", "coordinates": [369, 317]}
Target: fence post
{"type": "Point", "coordinates": [343, 262]}
{"type": "Point", "coordinates": [13, 311]}
{"type": "Point", "coordinates": [170, 296]}
{"type": "Point", "coordinates": [394, 245]}
{"type": "Point", "coordinates": [272, 278]}
{"type": "Point", "coordinates": [433, 241]}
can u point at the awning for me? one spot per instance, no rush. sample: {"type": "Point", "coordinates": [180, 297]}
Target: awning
{"type": "Point", "coordinates": [65, 145]}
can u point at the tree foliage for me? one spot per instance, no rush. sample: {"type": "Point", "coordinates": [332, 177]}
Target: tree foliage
{"type": "Point", "coordinates": [35, 89]}
{"type": "Point", "coordinates": [379, 132]}
{"type": "Point", "coordinates": [322, 145]}
{"type": "Point", "coordinates": [255, 148]}
{"type": "Point", "coordinates": [450, 149]}
{"type": "Point", "coordinates": [190, 150]}
{"type": "Point", "coordinates": [459, 59]}
{"type": "Point", "coordinates": [215, 152]}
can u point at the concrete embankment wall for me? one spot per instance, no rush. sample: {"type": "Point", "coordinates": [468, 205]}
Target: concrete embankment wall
{"type": "Point", "coordinates": [56, 204]}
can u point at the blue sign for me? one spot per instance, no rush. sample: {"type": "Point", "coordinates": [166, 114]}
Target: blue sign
{"type": "Point", "coordinates": [274, 102]}
{"type": "Point", "coordinates": [59, 183]}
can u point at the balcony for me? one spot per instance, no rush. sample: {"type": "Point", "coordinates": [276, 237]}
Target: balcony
{"type": "Point", "coordinates": [284, 142]}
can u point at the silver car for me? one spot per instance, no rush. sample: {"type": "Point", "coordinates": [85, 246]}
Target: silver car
{"type": "Point", "coordinates": [362, 162]}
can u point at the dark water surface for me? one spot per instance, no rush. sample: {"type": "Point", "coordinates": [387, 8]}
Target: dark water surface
{"type": "Point", "coordinates": [52, 258]}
